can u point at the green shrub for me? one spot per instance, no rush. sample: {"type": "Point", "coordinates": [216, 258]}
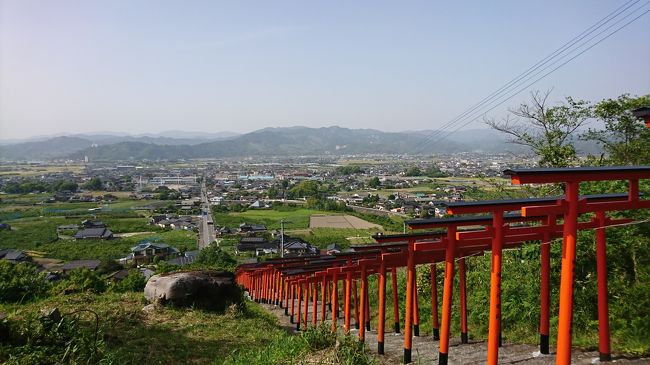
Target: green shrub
{"type": "Point", "coordinates": [53, 339]}
{"type": "Point", "coordinates": [215, 257]}
{"type": "Point", "coordinates": [81, 280]}
{"type": "Point", "coordinates": [20, 282]}
{"type": "Point", "coordinates": [134, 282]}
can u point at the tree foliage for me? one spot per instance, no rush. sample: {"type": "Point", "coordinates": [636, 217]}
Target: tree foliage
{"type": "Point", "coordinates": [547, 130]}
{"type": "Point", "coordinates": [374, 182]}
{"type": "Point", "coordinates": [413, 171]}
{"type": "Point", "coordinates": [81, 280]}
{"type": "Point", "coordinates": [349, 170]}
{"type": "Point", "coordinates": [625, 138]}
{"type": "Point", "coordinates": [20, 282]}
{"type": "Point", "coordinates": [94, 184]}
{"type": "Point", "coordinates": [26, 186]}
{"type": "Point", "coordinates": [215, 257]}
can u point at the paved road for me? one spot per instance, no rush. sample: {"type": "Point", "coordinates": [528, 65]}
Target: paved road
{"type": "Point", "coordinates": [206, 227]}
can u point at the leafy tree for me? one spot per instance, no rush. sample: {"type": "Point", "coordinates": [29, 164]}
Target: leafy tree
{"type": "Point", "coordinates": [305, 189]}
{"type": "Point", "coordinates": [20, 282]}
{"type": "Point", "coordinates": [547, 130]}
{"type": "Point", "coordinates": [81, 280]}
{"type": "Point", "coordinates": [374, 182]}
{"type": "Point", "coordinates": [625, 138]}
{"type": "Point", "coordinates": [371, 199]}
{"type": "Point", "coordinates": [134, 282]}
{"type": "Point", "coordinates": [65, 185]}
{"type": "Point", "coordinates": [215, 257]}
{"type": "Point", "coordinates": [349, 170]}
{"type": "Point", "coordinates": [94, 184]}
{"type": "Point", "coordinates": [434, 171]}
{"type": "Point", "coordinates": [273, 192]}
{"type": "Point", "coordinates": [413, 171]}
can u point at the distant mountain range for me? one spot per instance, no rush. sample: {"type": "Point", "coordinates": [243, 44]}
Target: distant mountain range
{"type": "Point", "coordinates": [175, 145]}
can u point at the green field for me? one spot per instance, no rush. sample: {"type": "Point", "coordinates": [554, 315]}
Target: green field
{"type": "Point", "coordinates": [34, 227]}
{"type": "Point", "coordinates": [321, 237]}
{"type": "Point", "coordinates": [39, 234]}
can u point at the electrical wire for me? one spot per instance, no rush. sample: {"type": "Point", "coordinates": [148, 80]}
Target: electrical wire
{"type": "Point", "coordinates": [558, 51]}
{"type": "Point", "coordinates": [510, 96]}
{"type": "Point", "coordinates": [567, 49]}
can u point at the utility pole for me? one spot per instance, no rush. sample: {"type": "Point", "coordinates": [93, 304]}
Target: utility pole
{"type": "Point", "coordinates": [282, 238]}
{"type": "Point", "coordinates": [282, 222]}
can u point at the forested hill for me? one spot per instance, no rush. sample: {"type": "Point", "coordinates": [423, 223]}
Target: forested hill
{"type": "Point", "coordinates": [268, 141]}
{"type": "Point", "coordinates": [277, 142]}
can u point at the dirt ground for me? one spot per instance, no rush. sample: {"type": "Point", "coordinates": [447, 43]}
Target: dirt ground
{"type": "Point", "coordinates": [425, 349]}
{"type": "Point", "coordinates": [340, 221]}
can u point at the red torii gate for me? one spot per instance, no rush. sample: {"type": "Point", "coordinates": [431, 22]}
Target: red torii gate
{"type": "Point", "coordinates": [498, 233]}
{"type": "Point", "coordinates": [495, 238]}
{"type": "Point", "coordinates": [571, 207]}
{"type": "Point", "coordinates": [543, 203]}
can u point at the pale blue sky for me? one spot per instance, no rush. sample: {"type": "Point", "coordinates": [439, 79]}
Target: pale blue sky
{"type": "Point", "coordinates": [149, 66]}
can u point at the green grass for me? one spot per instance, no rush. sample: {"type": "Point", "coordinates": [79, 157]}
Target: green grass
{"type": "Point", "coordinates": [321, 237]}
{"type": "Point", "coordinates": [166, 336]}
{"type": "Point", "coordinates": [39, 234]}
{"type": "Point", "coordinates": [127, 335]}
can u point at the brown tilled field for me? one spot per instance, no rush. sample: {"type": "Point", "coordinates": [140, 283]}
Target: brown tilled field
{"type": "Point", "coordinates": [340, 221]}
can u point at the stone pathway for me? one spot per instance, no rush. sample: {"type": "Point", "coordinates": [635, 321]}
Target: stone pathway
{"type": "Point", "coordinates": [425, 349]}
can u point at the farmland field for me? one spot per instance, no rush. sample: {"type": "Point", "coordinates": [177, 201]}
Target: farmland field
{"type": "Point", "coordinates": [294, 218]}
{"type": "Point", "coordinates": [34, 227]}
{"type": "Point", "coordinates": [340, 221]}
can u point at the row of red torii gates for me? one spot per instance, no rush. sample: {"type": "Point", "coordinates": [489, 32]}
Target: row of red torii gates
{"type": "Point", "coordinates": [293, 283]}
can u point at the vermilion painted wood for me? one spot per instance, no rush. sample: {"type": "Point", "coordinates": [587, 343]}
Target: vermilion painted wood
{"type": "Point", "coordinates": [572, 207]}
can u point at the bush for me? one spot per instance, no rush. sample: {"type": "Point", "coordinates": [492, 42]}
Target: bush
{"type": "Point", "coordinates": [215, 257]}
{"type": "Point", "coordinates": [81, 280]}
{"type": "Point", "coordinates": [52, 339]}
{"type": "Point", "coordinates": [134, 282]}
{"type": "Point", "coordinates": [20, 282]}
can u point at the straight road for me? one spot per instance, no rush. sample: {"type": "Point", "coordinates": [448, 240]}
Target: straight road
{"type": "Point", "coordinates": [206, 227]}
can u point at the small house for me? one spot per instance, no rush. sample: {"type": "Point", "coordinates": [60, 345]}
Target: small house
{"type": "Point", "coordinates": [146, 252]}
{"type": "Point", "coordinates": [251, 228]}
{"type": "Point", "coordinates": [94, 233]}
{"type": "Point", "coordinates": [13, 256]}
{"type": "Point", "coordinates": [92, 224]}
{"type": "Point", "coordinates": [80, 264]}
{"type": "Point", "coordinates": [252, 244]}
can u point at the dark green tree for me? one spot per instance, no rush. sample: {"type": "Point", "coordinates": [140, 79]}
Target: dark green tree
{"type": "Point", "coordinates": [625, 138]}
{"type": "Point", "coordinates": [94, 184]}
{"type": "Point", "coordinates": [413, 171]}
{"type": "Point", "coordinates": [374, 182]}
{"type": "Point", "coordinates": [215, 257]}
{"type": "Point", "coordinates": [434, 171]}
{"type": "Point", "coordinates": [305, 189]}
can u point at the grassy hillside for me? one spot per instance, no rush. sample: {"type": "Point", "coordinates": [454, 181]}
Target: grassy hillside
{"type": "Point", "coordinates": [127, 335]}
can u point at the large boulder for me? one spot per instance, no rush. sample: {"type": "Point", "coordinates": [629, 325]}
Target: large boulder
{"type": "Point", "coordinates": [214, 290]}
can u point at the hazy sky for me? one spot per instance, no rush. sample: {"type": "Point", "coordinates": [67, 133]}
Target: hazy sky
{"type": "Point", "coordinates": [150, 66]}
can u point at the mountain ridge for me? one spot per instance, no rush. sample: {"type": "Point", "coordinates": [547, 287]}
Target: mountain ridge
{"type": "Point", "coordinates": [272, 141]}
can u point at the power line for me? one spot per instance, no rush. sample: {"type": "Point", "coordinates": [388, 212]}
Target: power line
{"type": "Point", "coordinates": [555, 53]}
{"type": "Point", "coordinates": [512, 83]}
{"type": "Point", "coordinates": [543, 76]}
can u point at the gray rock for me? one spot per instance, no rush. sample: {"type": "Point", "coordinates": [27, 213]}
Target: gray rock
{"type": "Point", "coordinates": [214, 290]}
{"type": "Point", "coordinates": [149, 308]}
{"type": "Point", "coordinates": [50, 315]}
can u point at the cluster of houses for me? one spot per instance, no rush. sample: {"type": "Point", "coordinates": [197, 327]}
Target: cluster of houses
{"type": "Point", "coordinates": [147, 252]}
{"type": "Point", "coordinates": [87, 230]}
{"type": "Point", "coordinates": [173, 221]}
{"type": "Point", "coordinates": [69, 196]}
